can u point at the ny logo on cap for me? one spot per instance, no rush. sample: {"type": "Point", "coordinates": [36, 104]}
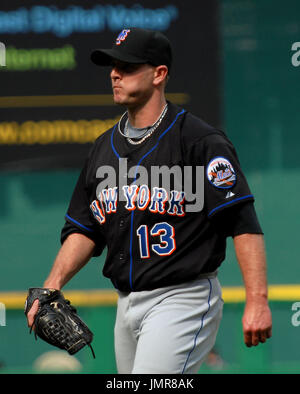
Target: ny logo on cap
{"type": "Point", "coordinates": [122, 36]}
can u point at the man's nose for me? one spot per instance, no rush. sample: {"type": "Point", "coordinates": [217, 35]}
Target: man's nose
{"type": "Point", "coordinates": [115, 73]}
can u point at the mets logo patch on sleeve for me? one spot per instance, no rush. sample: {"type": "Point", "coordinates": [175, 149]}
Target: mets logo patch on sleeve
{"type": "Point", "coordinates": [220, 173]}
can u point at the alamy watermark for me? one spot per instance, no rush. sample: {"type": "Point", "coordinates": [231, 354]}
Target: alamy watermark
{"type": "Point", "coordinates": [295, 59]}
{"type": "Point", "coordinates": [296, 316]}
{"type": "Point", "coordinates": [160, 185]}
{"type": "Point", "coordinates": [2, 315]}
{"type": "Point", "coordinates": [2, 55]}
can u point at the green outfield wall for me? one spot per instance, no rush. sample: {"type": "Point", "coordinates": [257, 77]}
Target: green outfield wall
{"type": "Point", "coordinates": [20, 352]}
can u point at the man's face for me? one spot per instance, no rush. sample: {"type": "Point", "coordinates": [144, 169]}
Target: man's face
{"type": "Point", "coordinates": [132, 83]}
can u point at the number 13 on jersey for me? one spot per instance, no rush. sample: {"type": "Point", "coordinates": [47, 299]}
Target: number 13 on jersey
{"type": "Point", "coordinates": [166, 234]}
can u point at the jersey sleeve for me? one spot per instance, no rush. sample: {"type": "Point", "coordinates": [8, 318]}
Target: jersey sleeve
{"type": "Point", "coordinates": [240, 219]}
{"type": "Point", "coordinates": [79, 218]}
{"type": "Point", "coordinates": [225, 184]}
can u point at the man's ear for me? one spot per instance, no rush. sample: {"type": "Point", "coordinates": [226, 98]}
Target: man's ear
{"type": "Point", "coordinates": [160, 74]}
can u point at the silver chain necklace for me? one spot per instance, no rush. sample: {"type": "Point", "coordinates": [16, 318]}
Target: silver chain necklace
{"type": "Point", "coordinates": [149, 132]}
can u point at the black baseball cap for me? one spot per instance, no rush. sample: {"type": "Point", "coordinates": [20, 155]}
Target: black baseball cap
{"type": "Point", "coordinates": [136, 45]}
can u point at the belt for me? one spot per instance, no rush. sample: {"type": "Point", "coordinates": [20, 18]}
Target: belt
{"type": "Point", "coordinates": [207, 275]}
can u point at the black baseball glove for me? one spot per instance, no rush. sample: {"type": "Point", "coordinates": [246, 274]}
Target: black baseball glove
{"type": "Point", "coordinates": [57, 322]}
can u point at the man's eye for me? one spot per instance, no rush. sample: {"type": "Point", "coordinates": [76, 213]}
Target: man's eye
{"type": "Point", "coordinates": [133, 68]}
{"type": "Point", "coordinates": [128, 68]}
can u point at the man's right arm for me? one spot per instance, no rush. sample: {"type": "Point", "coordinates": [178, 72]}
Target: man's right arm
{"type": "Point", "coordinates": [74, 253]}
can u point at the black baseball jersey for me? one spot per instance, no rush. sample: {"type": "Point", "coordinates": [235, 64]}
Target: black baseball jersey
{"type": "Point", "coordinates": [158, 233]}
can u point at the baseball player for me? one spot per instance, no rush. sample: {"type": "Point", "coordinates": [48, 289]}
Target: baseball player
{"type": "Point", "coordinates": [162, 190]}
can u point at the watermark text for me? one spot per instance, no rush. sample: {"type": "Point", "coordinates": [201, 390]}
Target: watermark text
{"type": "Point", "coordinates": [2, 55]}
{"type": "Point", "coordinates": [296, 316]}
{"type": "Point", "coordinates": [2, 315]}
{"type": "Point", "coordinates": [295, 59]}
{"type": "Point", "coordinates": [158, 186]}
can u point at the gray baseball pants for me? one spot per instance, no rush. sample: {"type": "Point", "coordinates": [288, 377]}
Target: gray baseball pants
{"type": "Point", "coordinates": [168, 330]}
